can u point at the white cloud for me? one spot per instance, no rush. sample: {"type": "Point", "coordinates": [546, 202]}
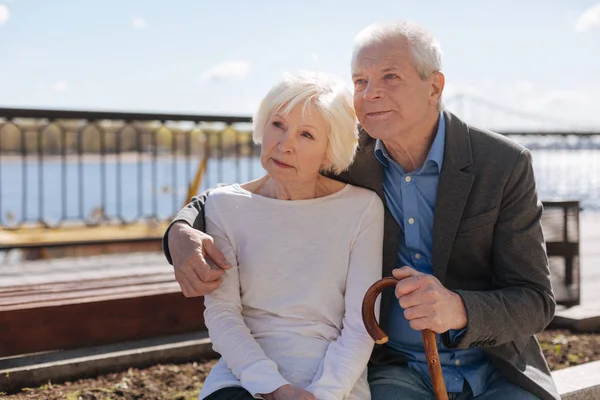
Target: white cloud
{"type": "Point", "coordinates": [60, 86]}
{"type": "Point", "coordinates": [139, 22]}
{"type": "Point", "coordinates": [4, 14]}
{"type": "Point", "coordinates": [590, 19]}
{"type": "Point", "coordinates": [226, 70]}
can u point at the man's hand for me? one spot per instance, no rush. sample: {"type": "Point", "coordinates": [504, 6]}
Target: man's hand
{"type": "Point", "coordinates": [427, 303]}
{"type": "Point", "coordinates": [190, 249]}
{"type": "Point", "coordinates": [289, 392]}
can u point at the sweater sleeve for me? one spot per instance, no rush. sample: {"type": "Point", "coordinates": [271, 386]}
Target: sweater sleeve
{"type": "Point", "coordinates": [347, 357]}
{"type": "Point", "coordinates": [227, 331]}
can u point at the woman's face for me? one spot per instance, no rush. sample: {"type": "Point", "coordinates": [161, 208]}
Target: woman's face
{"type": "Point", "coordinates": [294, 146]}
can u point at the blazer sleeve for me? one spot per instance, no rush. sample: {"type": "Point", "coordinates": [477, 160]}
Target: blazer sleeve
{"type": "Point", "coordinates": [192, 214]}
{"type": "Point", "coordinates": [524, 300]}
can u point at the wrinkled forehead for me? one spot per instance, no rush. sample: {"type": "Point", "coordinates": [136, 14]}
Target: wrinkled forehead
{"type": "Point", "coordinates": [386, 54]}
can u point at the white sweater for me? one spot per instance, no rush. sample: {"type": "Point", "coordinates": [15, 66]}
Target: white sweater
{"type": "Point", "coordinates": [289, 310]}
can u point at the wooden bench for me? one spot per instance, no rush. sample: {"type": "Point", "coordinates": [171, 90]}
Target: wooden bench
{"type": "Point", "coordinates": [67, 315]}
{"type": "Point", "coordinates": [560, 224]}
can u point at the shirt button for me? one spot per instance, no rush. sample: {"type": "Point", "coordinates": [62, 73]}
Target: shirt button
{"type": "Point", "coordinates": [417, 256]}
{"type": "Point", "coordinates": [457, 363]}
{"type": "Point", "coordinates": [411, 221]}
{"type": "Point", "coordinates": [407, 178]}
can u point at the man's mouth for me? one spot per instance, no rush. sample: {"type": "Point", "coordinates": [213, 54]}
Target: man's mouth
{"type": "Point", "coordinates": [376, 114]}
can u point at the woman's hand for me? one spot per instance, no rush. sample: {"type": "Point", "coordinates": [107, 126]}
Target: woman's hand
{"type": "Point", "coordinates": [289, 392]}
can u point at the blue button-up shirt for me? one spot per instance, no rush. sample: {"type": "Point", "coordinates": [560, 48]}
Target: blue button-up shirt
{"type": "Point", "coordinates": [411, 200]}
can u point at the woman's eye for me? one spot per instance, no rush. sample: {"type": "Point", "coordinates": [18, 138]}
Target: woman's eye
{"type": "Point", "coordinates": [307, 135]}
{"type": "Point", "coordinates": [390, 76]}
{"type": "Point", "coordinates": [277, 124]}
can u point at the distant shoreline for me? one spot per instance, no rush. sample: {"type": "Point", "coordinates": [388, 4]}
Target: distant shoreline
{"type": "Point", "coordinates": [129, 157]}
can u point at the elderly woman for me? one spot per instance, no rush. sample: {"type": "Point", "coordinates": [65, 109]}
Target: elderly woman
{"type": "Point", "coordinates": [304, 249]}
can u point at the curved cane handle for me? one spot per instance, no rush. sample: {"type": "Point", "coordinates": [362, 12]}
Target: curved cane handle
{"type": "Point", "coordinates": [380, 337]}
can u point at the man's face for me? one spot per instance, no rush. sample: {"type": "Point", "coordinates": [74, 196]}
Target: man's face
{"type": "Point", "coordinates": [390, 97]}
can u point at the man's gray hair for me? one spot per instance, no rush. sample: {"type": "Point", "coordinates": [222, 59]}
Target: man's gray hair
{"type": "Point", "coordinates": [425, 49]}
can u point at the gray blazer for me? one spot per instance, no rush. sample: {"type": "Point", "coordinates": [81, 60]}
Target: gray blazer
{"type": "Point", "coordinates": [487, 246]}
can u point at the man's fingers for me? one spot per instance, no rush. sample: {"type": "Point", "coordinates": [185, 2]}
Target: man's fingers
{"type": "Point", "coordinates": [420, 324]}
{"type": "Point", "coordinates": [407, 286]}
{"type": "Point", "coordinates": [215, 255]}
{"type": "Point", "coordinates": [208, 287]}
{"type": "Point", "coordinates": [416, 312]}
{"type": "Point", "coordinates": [407, 282]}
{"type": "Point", "coordinates": [411, 300]}
{"type": "Point", "coordinates": [404, 272]}
{"type": "Point", "coordinates": [205, 272]}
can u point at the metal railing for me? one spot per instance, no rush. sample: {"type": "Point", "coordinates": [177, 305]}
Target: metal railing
{"type": "Point", "coordinates": [65, 167]}
{"type": "Point", "coordinates": [60, 167]}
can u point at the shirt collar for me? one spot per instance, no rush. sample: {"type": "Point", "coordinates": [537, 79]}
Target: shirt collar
{"type": "Point", "coordinates": [436, 152]}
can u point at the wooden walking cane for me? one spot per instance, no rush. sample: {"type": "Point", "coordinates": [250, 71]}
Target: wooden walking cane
{"type": "Point", "coordinates": [380, 337]}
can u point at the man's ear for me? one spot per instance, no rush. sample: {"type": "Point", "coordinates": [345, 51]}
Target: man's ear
{"type": "Point", "coordinates": [438, 81]}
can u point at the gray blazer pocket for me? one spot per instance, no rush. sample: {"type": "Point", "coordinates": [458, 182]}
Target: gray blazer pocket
{"type": "Point", "coordinates": [479, 220]}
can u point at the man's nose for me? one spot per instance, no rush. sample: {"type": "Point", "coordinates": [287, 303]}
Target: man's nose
{"type": "Point", "coordinates": [372, 91]}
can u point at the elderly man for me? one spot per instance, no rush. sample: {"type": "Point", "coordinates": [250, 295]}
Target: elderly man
{"type": "Point", "coordinates": [462, 232]}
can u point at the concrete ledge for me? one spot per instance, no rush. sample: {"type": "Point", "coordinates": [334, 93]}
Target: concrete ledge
{"type": "Point", "coordinates": [38, 369]}
{"type": "Point", "coordinates": [582, 318]}
{"type": "Point", "coordinates": [581, 382]}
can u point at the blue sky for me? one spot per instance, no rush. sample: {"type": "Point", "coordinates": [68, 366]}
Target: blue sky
{"type": "Point", "coordinates": [220, 57]}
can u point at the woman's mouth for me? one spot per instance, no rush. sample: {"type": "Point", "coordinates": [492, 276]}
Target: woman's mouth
{"type": "Point", "coordinates": [280, 164]}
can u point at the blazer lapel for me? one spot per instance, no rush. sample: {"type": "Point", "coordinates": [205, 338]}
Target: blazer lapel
{"type": "Point", "coordinates": [453, 191]}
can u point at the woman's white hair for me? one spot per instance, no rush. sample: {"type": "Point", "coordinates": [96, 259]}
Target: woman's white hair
{"type": "Point", "coordinates": [330, 97]}
{"type": "Point", "coordinates": [424, 47]}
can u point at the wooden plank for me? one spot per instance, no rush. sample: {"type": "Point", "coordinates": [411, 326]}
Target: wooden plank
{"type": "Point", "coordinates": [86, 284]}
{"type": "Point", "coordinates": [44, 301]}
{"type": "Point", "coordinates": [36, 236]}
{"type": "Point", "coordinates": [68, 326]}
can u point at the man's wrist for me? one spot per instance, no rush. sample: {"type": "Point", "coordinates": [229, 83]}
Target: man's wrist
{"type": "Point", "coordinates": [461, 314]}
{"type": "Point", "coordinates": [175, 229]}
{"type": "Point", "coordinates": [180, 224]}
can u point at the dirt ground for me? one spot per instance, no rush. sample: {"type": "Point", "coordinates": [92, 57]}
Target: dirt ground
{"type": "Point", "coordinates": [183, 382]}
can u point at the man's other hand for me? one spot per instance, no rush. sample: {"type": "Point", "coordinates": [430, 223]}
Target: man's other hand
{"type": "Point", "coordinates": [191, 251]}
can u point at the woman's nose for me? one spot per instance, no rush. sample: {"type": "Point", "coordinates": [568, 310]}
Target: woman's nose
{"type": "Point", "coordinates": [285, 142]}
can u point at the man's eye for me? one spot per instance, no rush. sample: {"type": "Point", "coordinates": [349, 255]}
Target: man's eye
{"type": "Point", "coordinates": [390, 76]}
{"type": "Point", "coordinates": [359, 82]}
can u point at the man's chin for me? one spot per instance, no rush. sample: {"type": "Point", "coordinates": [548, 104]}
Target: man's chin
{"type": "Point", "coordinates": [376, 133]}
